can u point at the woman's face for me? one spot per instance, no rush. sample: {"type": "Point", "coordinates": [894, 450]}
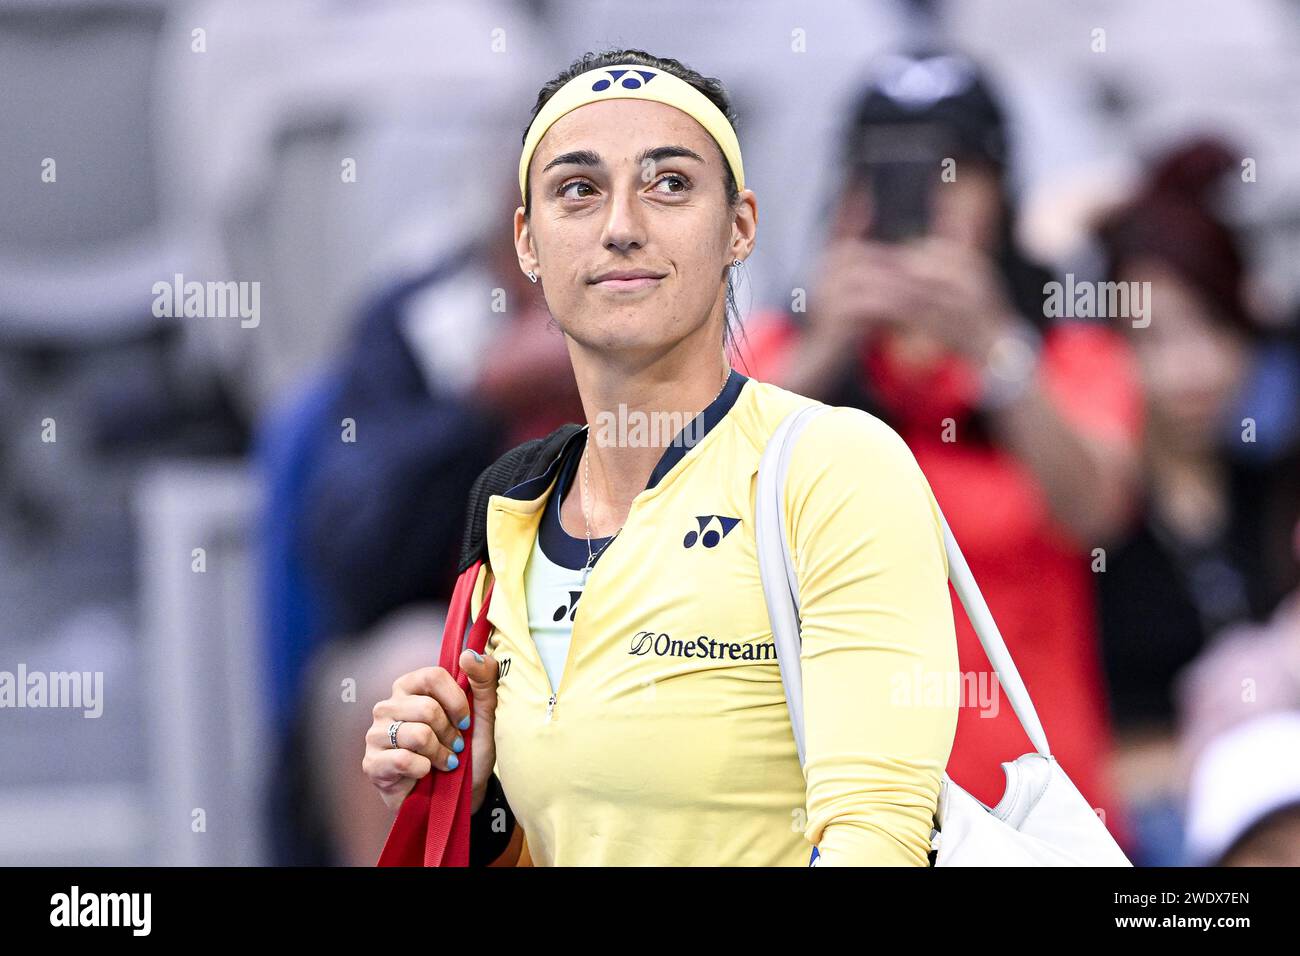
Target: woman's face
{"type": "Point", "coordinates": [1191, 363]}
{"type": "Point", "coordinates": [632, 185]}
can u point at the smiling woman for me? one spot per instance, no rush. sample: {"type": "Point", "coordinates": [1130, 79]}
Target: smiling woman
{"type": "Point", "coordinates": [633, 712]}
{"type": "Point", "coordinates": [687, 183]}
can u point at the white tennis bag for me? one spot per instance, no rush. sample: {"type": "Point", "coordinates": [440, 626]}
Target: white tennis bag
{"type": "Point", "coordinates": [1042, 819]}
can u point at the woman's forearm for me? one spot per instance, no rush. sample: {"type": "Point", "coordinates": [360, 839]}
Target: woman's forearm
{"type": "Point", "coordinates": [1088, 484]}
{"type": "Point", "coordinates": [817, 365]}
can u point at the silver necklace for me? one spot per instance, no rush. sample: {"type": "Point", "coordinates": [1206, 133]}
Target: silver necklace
{"type": "Point", "coordinates": [586, 494]}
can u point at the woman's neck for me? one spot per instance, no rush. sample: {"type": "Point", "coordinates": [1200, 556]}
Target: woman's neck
{"type": "Point", "coordinates": [1189, 491]}
{"type": "Point", "coordinates": [624, 444]}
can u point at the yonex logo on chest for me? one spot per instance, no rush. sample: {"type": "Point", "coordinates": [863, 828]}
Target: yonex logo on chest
{"type": "Point", "coordinates": [712, 529]}
{"type": "Point", "coordinates": [570, 608]}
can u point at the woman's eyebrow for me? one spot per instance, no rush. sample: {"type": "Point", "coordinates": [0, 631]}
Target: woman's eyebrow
{"type": "Point", "coordinates": [587, 157]}
{"type": "Point", "coordinates": [668, 152]}
{"type": "Point", "coordinates": [577, 157]}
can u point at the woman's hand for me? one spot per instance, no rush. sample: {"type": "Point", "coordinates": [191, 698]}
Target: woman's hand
{"type": "Point", "coordinates": [950, 292]}
{"type": "Point", "coordinates": [849, 297]}
{"type": "Point", "coordinates": [847, 303]}
{"type": "Point", "coordinates": [435, 711]}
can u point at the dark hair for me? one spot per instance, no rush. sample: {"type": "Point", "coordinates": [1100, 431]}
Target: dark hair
{"type": "Point", "coordinates": [961, 108]}
{"type": "Point", "coordinates": [1172, 219]}
{"type": "Point", "coordinates": [710, 86]}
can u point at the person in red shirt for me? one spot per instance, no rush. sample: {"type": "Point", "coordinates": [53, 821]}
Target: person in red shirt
{"type": "Point", "coordinates": [1027, 429]}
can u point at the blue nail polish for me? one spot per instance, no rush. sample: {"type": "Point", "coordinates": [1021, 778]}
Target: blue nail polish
{"type": "Point", "coordinates": [464, 723]}
{"type": "Point", "coordinates": [459, 745]}
{"type": "Point", "coordinates": [477, 656]}
{"type": "Point", "coordinates": [453, 762]}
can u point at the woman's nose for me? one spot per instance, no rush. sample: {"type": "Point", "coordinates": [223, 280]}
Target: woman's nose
{"type": "Point", "coordinates": [624, 220]}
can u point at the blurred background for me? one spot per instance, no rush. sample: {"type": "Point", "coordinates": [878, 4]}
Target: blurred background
{"type": "Point", "coordinates": [242, 508]}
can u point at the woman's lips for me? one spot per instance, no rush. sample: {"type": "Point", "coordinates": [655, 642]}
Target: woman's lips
{"type": "Point", "coordinates": [626, 285]}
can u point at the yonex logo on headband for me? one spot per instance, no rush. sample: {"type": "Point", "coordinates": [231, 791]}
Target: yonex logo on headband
{"type": "Point", "coordinates": [631, 83]}
{"type": "Point", "coordinates": [634, 82]}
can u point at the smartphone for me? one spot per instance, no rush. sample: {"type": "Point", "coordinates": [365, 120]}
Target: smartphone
{"type": "Point", "coordinates": [901, 163]}
{"type": "Point", "coordinates": [900, 201]}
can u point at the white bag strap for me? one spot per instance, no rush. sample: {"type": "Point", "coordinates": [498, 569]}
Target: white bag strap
{"type": "Point", "coordinates": [781, 587]}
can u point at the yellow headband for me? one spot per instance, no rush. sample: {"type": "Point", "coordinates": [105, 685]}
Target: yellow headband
{"type": "Point", "coordinates": [631, 81]}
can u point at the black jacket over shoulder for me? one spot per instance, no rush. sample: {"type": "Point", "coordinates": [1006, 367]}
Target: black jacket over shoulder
{"type": "Point", "coordinates": [488, 838]}
{"type": "Point", "coordinates": [516, 466]}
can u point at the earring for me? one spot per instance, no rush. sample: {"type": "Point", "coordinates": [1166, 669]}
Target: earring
{"type": "Point", "coordinates": [532, 276]}
{"type": "Point", "coordinates": [735, 262]}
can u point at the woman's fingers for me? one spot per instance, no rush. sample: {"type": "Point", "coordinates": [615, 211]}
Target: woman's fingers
{"type": "Point", "coordinates": [429, 704]}
{"type": "Point", "coordinates": [420, 710]}
{"type": "Point", "coordinates": [482, 672]}
{"type": "Point", "coordinates": [435, 682]}
{"type": "Point", "coordinates": [394, 772]}
{"type": "Point", "coordinates": [416, 738]}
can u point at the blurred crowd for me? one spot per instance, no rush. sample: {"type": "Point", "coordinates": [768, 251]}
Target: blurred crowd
{"type": "Point", "coordinates": [1110, 186]}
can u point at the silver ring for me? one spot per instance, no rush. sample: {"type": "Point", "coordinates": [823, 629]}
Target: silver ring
{"type": "Point", "coordinates": [392, 732]}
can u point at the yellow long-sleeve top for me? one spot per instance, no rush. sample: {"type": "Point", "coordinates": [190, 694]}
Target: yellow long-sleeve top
{"type": "Point", "coordinates": [668, 741]}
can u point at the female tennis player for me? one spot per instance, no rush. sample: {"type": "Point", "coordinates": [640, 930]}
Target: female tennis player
{"type": "Point", "coordinates": [630, 708]}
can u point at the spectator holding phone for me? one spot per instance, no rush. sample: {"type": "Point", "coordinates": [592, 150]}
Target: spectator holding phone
{"type": "Point", "coordinates": [925, 313]}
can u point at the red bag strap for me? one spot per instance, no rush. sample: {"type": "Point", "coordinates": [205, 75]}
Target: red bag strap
{"type": "Point", "coordinates": [433, 822]}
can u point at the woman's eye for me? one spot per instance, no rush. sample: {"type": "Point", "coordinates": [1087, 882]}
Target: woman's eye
{"type": "Point", "coordinates": [564, 190]}
{"type": "Point", "coordinates": [673, 177]}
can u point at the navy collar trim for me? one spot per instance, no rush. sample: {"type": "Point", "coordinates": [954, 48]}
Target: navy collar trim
{"type": "Point", "coordinates": [558, 545]}
{"type": "Point", "coordinates": [698, 427]}
{"type": "Point", "coordinates": [692, 434]}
